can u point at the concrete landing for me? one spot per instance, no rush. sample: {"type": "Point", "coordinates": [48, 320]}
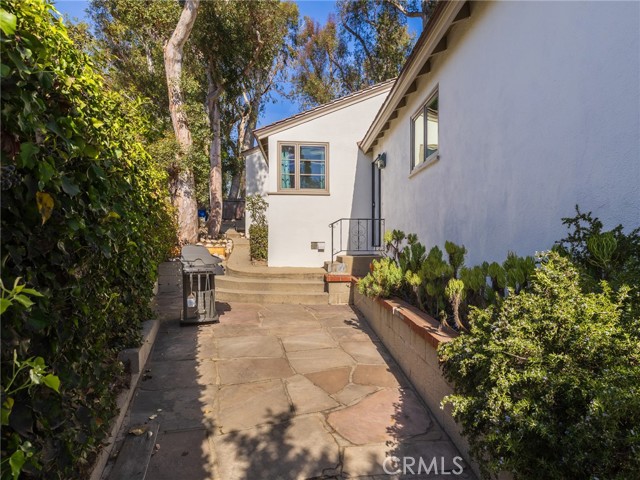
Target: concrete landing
{"type": "Point", "coordinates": [284, 392]}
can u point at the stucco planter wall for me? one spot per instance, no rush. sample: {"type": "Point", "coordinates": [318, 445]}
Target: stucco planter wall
{"type": "Point", "coordinates": [412, 337]}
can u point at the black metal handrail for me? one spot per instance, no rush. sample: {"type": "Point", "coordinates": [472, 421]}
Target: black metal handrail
{"type": "Point", "coordinates": [361, 235]}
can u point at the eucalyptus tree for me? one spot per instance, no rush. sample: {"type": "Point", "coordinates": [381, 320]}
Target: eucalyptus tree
{"type": "Point", "coordinates": [184, 184]}
{"type": "Point", "coordinates": [318, 75]}
{"type": "Point", "coordinates": [135, 33]}
{"type": "Point", "coordinates": [380, 40]}
{"type": "Point", "coordinates": [243, 45]}
{"type": "Point", "coordinates": [366, 43]}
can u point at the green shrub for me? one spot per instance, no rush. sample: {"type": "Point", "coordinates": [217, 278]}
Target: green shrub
{"type": "Point", "coordinates": [384, 279]}
{"type": "Point", "coordinates": [259, 241]}
{"type": "Point", "coordinates": [612, 255]}
{"type": "Point", "coordinates": [256, 205]}
{"type": "Point", "coordinates": [547, 384]}
{"type": "Point", "coordinates": [85, 221]}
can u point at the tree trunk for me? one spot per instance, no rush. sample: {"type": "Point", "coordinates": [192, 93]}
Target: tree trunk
{"type": "Point", "coordinates": [215, 172]}
{"type": "Point", "coordinates": [183, 185]}
{"type": "Point", "coordinates": [245, 134]}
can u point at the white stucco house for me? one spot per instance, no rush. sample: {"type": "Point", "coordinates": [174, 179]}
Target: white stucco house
{"type": "Point", "coordinates": [309, 167]}
{"type": "Point", "coordinates": [505, 116]}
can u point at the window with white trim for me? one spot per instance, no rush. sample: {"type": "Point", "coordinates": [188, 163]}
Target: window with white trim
{"type": "Point", "coordinates": [303, 167]}
{"type": "Point", "coordinates": [424, 133]}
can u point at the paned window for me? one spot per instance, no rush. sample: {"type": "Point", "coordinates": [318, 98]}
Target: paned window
{"type": "Point", "coordinates": [303, 167]}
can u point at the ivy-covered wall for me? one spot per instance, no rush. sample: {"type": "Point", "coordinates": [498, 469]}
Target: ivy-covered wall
{"type": "Point", "coordinates": [85, 221]}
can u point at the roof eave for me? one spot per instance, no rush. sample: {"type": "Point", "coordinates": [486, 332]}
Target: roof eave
{"type": "Point", "coordinates": [444, 16]}
{"type": "Point", "coordinates": [321, 110]}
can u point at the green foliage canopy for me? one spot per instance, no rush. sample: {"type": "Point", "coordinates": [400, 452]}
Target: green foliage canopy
{"type": "Point", "coordinates": [547, 383]}
{"type": "Point", "coordinates": [366, 43]}
{"type": "Point", "coordinates": [85, 221]}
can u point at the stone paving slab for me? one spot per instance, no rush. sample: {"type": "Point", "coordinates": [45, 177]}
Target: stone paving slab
{"type": "Point", "coordinates": [297, 449]}
{"type": "Point", "coordinates": [365, 352]}
{"type": "Point", "coordinates": [232, 330]}
{"type": "Point", "coordinates": [306, 397]}
{"type": "Point", "coordinates": [308, 361]}
{"type": "Point", "coordinates": [182, 455]}
{"type": "Point", "coordinates": [170, 374]}
{"type": "Point", "coordinates": [244, 370]}
{"type": "Point", "coordinates": [283, 331]}
{"type": "Point", "coordinates": [331, 381]}
{"type": "Point", "coordinates": [254, 346]}
{"type": "Point", "coordinates": [247, 405]}
{"type": "Point", "coordinates": [385, 415]}
{"type": "Point", "coordinates": [346, 334]}
{"type": "Point", "coordinates": [175, 409]}
{"type": "Point", "coordinates": [300, 321]}
{"type": "Point", "coordinates": [352, 393]}
{"type": "Point", "coordinates": [309, 341]}
{"type": "Point", "coordinates": [282, 392]}
{"type": "Point", "coordinates": [380, 375]}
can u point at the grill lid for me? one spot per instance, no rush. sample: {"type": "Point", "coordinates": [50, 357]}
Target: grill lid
{"type": "Point", "coordinates": [198, 256]}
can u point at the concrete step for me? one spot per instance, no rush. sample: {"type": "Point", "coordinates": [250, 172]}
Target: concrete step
{"type": "Point", "coordinates": [244, 296]}
{"type": "Point", "coordinates": [275, 273]}
{"type": "Point", "coordinates": [255, 284]}
{"type": "Point", "coordinates": [357, 265]}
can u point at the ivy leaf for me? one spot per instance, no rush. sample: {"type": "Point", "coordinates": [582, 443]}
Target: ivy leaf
{"type": "Point", "coordinates": [23, 300]}
{"type": "Point", "coordinates": [7, 22]}
{"type": "Point", "coordinates": [7, 406]}
{"type": "Point", "coordinates": [33, 292]}
{"type": "Point", "coordinates": [97, 123]}
{"type": "Point", "coordinates": [16, 461]}
{"type": "Point", "coordinates": [69, 187]}
{"type": "Point", "coordinates": [52, 382]}
{"type": "Point", "coordinates": [27, 151]}
{"type": "Point", "coordinates": [91, 151]}
{"type": "Point", "coordinates": [45, 205]}
{"type": "Point", "coordinates": [46, 171]}
{"type": "Point", "coordinates": [55, 128]}
{"type": "Point", "coordinates": [4, 304]}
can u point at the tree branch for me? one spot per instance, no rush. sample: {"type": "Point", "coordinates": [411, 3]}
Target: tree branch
{"type": "Point", "coordinates": [398, 6]}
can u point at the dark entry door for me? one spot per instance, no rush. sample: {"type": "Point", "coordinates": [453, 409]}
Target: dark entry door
{"type": "Point", "coordinates": [376, 206]}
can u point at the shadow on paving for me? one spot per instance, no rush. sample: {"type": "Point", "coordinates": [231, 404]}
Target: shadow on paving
{"type": "Point", "coordinates": [283, 392]}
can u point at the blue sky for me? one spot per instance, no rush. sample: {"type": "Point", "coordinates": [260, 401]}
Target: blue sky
{"type": "Point", "coordinates": [319, 10]}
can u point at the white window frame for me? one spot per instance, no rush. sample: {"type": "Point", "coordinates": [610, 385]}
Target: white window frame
{"type": "Point", "coordinates": [297, 190]}
{"type": "Point", "coordinates": [434, 156]}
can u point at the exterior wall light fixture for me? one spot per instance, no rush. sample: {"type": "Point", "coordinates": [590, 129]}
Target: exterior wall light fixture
{"type": "Point", "coordinates": [381, 161]}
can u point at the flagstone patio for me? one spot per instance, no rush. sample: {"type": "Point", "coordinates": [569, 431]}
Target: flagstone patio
{"type": "Point", "coordinates": [279, 392]}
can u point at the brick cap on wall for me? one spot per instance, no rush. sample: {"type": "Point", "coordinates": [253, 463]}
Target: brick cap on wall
{"type": "Point", "coordinates": [418, 321]}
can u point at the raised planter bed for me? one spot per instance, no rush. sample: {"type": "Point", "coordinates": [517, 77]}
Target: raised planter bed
{"type": "Point", "coordinates": [412, 338]}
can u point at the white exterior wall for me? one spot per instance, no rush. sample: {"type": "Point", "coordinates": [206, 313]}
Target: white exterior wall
{"type": "Point", "coordinates": [296, 220]}
{"type": "Point", "coordinates": [256, 171]}
{"type": "Point", "coordinates": [539, 111]}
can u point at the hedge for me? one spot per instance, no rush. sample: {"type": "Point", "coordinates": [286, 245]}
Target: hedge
{"type": "Point", "coordinates": [85, 221]}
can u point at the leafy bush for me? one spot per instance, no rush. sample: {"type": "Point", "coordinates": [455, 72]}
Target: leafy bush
{"type": "Point", "coordinates": [385, 277]}
{"type": "Point", "coordinates": [25, 375]}
{"type": "Point", "coordinates": [547, 382]}
{"type": "Point", "coordinates": [426, 277]}
{"type": "Point", "coordinates": [259, 242]}
{"type": "Point", "coordinates": [613, 256]}
{"type": "Point", "coordinates": [85, 221]}
{"type": "Point", "coordinates": [256, 205]}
